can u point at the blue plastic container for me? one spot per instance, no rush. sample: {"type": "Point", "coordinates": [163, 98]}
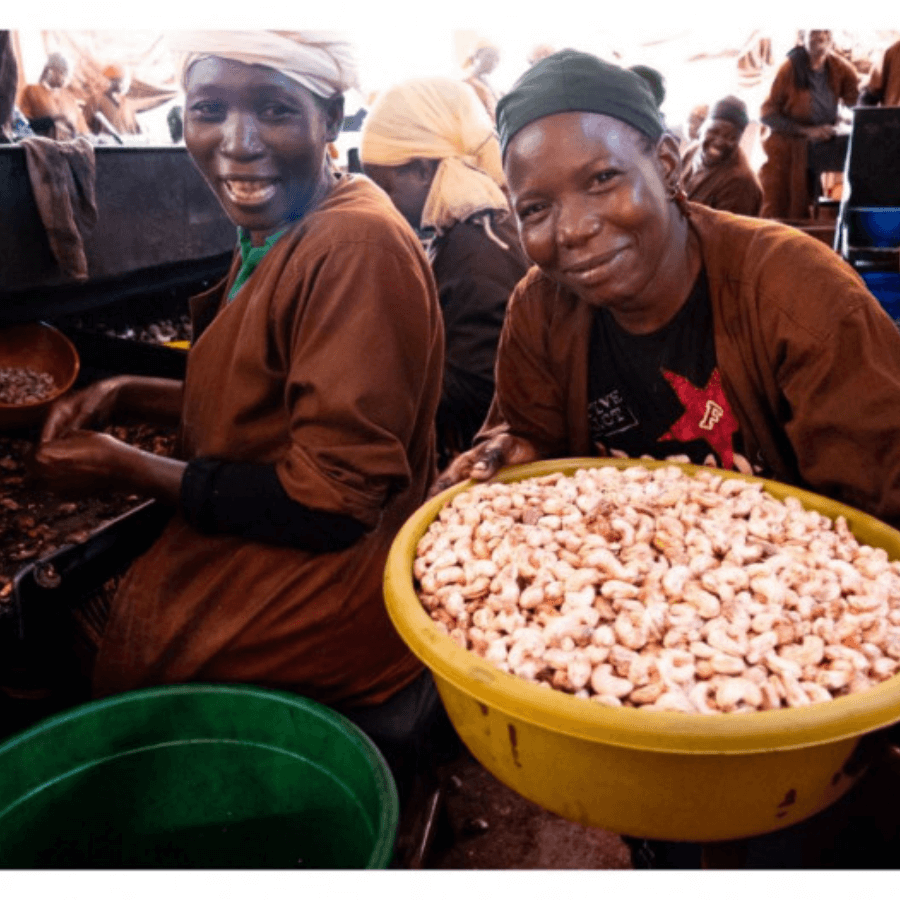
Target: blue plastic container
{"type": "Point", "coordinates": [878, 225]}
{"type": "Point", "coordinates": [885, 287]}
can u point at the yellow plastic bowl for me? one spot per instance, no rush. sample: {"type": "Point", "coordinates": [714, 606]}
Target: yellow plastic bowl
{"type": "Point", "coordinates": [645, 773]}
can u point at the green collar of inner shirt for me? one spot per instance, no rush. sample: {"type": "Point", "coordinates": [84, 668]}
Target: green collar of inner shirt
{"type": "Point", "coordinates": [251, 256]}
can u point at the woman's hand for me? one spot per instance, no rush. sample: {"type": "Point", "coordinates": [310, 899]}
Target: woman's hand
{"type": "Point", "coordinates": [821, 132]}
{"type": "Point", "coordinates": [82, 462]}
{"type": "Point", "coordinates": [91, 407]}
{"type": "Point", "coordinates": [85, 462]}
{"type": "Point", "coordinates": [485, 460]}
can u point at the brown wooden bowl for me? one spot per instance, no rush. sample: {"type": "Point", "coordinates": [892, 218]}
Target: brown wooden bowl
{"type": "Point", "coordinates": [39, 346]}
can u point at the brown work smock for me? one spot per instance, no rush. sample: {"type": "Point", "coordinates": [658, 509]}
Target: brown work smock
{"type": "Point", "coordinates": [809, 361]}
{"type": "Point", "coordinates": [328, 364]}
{"type": "Point", "coordinates": [731, 185]}
{"type": "Point", "coordinates": [119, 113]}
{"type": "Point", "coordinates": [37, 101]}
{"type": "Point", "coordinates": [783, 175]}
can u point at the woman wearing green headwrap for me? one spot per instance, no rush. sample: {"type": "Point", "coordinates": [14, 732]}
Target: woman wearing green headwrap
{"type": "Point", "coordinates": [654, 326]}
{"type": "Point", "coordinates": [657, 326]}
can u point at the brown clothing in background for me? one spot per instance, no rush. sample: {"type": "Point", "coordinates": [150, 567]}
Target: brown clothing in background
{"type": "Point", "coordinates": [884, 83]}
{"type": "Point", "coordinates": [809, 362]}
{"type": "Point", "coordinates": [119, 113]}
{"type": "Point", "coordinates": [37, 101]}
{"type": "Point", "coordinates": [731, 185]}
{"type": "Point", "coordinates": [784, 174]}
{"type": "Point", "coordinates": [327, 364]}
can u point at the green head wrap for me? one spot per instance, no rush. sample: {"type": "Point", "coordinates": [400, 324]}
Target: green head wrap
{"type": "Point", "coordinates": [571, 81]}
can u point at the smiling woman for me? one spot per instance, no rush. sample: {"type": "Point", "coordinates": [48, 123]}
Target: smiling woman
{"type": "Point", "coordinates": [296, 466]}
{"type": "Point", "coordinates": [258, 137]}
{"type": "Point", "coordinates": [656, 326]}
{"type": "Point", "coordinates": [652, 326]}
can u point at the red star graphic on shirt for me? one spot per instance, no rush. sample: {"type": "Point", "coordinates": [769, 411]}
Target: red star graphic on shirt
{"type": "Point", "coordinates": [707, 416]}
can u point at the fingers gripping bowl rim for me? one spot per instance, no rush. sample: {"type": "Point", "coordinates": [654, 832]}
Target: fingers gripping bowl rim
{"type": "Point", "coordinates": [559, 720]}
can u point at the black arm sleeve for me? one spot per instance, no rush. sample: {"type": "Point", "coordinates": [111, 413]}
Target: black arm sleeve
{"type": "Point", "coordinates": [247, 499]}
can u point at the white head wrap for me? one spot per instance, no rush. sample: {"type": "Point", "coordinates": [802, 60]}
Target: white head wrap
{"type": "Point", "coordinates": [321, 61]}
{"type": "Point", "coordinates": [439, 118]}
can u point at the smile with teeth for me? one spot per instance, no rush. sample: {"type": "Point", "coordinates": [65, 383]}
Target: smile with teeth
{"type": "Point", "coordinates": [249, 191]}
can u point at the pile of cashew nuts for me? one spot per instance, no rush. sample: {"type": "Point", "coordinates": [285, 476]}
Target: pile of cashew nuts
{"type": "Point", "coordinates": [658, 589]}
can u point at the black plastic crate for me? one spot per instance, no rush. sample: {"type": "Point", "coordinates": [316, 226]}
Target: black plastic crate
{"type": "Point", "coordinates": [52, 623]}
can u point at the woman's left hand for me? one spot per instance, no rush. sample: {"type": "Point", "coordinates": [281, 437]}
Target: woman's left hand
{"type": "Point", "coordinates": [83, 462]}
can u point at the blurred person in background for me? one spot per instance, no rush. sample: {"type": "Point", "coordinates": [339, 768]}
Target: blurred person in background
{"type": "Point", "coordinates": [484, 59]}
{"type": "Point", "coordinates": [9, 76]}
{"type": "Point", "coordinates": [110, 111]}
{"type": "Point", "coordinates": [801, 112]}
{"type": "Point", "coordinates": [431, 147]}
{"type": "Point", "coordinates": [49, 106]}
{"type": "Point", "coordinates": [541, 51]}
{"type": "Point", "coordinates": [715, 170]}
{"type": "Point", "coordinates": [883, 86]}
{"type": "Point", "coordinates": [175, 121]}
{"type": "Point", "coordinates": [695, 120]}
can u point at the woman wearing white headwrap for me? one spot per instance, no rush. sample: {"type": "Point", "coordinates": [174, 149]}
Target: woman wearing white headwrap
{"type": "Point", "coordinates": [429, 144]}
{"type": "Point", "coordinates": [306, 417]}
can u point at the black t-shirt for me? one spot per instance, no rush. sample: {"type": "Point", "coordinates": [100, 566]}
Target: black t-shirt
{"type": "Point", "coordinates": [661, 394]}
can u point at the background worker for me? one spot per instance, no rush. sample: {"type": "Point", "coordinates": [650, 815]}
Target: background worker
{"type": "Point", "coordinates": [801, 112]}
{"type": "Point", "coordinates": [431, 147]}
{"type": "Point", "coordinates": [652, 326]}
{"type": "Point", "coordinates": [883, 86]}
{"type": "Point", "coordinates": [49, 106]}
{"type": "Point", "coordinates": [715, 170]}
{"type": "Point", "coordinates": [110, 111]}
{"type": "Point", "coordinates": [484, 59]}
{"type": "Point", "coordinates": [696, 118]}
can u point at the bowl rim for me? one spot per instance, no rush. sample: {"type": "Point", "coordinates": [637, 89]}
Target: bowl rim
{"type": "Point", "coordinates": [384, 826]}
{"type": "Point", "coordinates": [771, 730]}
{"type": "Point", "coordinates": [76, 368]}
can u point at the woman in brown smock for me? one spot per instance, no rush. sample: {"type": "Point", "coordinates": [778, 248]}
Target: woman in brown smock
{"type": "Point", "coordinates": [306, 415]}
{"type": "Point", "coordinates": [801, 112]}
{"type": "Point", "coordinates": [652, 326]}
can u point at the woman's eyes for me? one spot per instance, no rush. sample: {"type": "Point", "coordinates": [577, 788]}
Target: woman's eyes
{"type": "Point", "coordinates": [603, 177]}
{"type": "Point", "coordinates": [214, 110]}
{"type": "Point", "coordinates": [207, 110]}
{"type": "Point", "coordinates": [530, 211]}
{"type": "Point", "coordinates": [276, 110]}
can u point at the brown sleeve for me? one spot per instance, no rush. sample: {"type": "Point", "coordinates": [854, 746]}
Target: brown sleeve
{"type": "Point", "coordinates": [27, 104]}
{"type": "Point", "coordinates": [740, 196]}
{"type": "Point", "coordinates": [529, 400]}
{"type": "Point", "coordinates": [837, 358]}
{"type": "Point", "coordinates": [849, 85]}
{"type": "Point", "coordinates": [776, 102]}
{"type": "Point", "coordinates": [364, 340]}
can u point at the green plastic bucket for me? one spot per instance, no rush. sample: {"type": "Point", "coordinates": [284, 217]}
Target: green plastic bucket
{"type": "Point", "coordinates": [196, 776]}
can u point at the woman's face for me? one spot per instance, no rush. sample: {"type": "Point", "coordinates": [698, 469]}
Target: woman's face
{"type": "Point", "coordinates": [593, 205]}
{"type": "Point", "coordinates": [407, 186]}
{"type": "Point", "coordinates": [258, 138]}
{"type": "Point", "coordinates": [817, 44]}
{"type": "Point", "coordinates": [719, 139]}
